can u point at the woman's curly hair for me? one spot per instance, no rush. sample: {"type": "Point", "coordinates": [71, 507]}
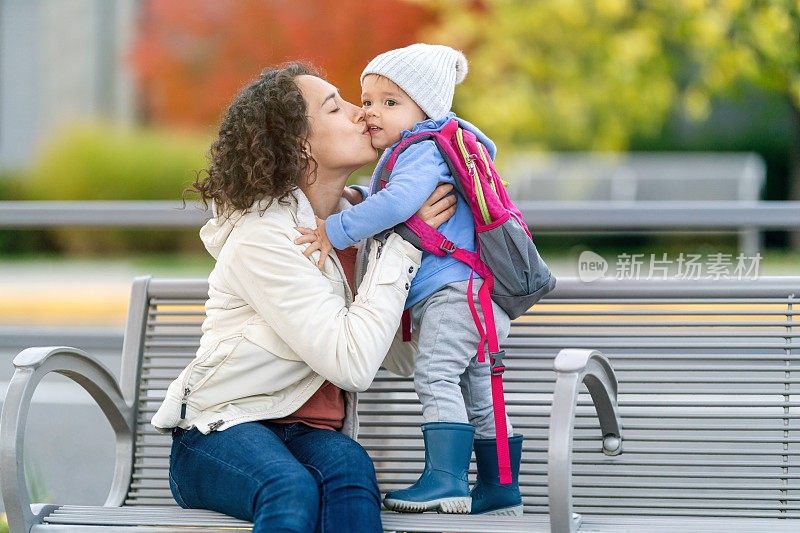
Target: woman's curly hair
{"type": "Point", "coordinates": [260, 151]}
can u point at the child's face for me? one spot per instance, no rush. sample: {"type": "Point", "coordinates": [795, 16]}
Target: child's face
{"type": "Point", "coordinates": [389, 110]}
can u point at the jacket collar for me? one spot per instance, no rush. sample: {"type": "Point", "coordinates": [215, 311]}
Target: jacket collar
{"type": "Point", "coordinates": [306, 218]}
{"type": "Point", "coordinates": [305, 213]}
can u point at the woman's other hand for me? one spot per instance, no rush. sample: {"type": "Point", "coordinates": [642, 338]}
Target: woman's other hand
{"type": "Point", "coordinates": [439, 207]}
{"type": "Point", "coordinates": [352, 195]}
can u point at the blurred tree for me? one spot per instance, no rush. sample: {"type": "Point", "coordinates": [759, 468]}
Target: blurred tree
{"type": "Point", "coordinates": [591, 74]}
{"type": "Point", "coordinates": [192, 55]}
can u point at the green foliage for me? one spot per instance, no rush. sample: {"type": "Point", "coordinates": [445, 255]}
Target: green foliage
{"type": "Point", "coordinates": [97, 162]}
{"type": "Point", "coordinates": [10, 185]}
{"type": "Point", "coordinates": [591, 74]}
{"type": "Point", "coordinates": [37, 489]}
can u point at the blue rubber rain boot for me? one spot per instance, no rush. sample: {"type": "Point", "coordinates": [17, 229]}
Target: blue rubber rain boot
{"type": "Point", "coordinates": [489, 496]}
{"type": "Point", "coordinates": [443, 485]}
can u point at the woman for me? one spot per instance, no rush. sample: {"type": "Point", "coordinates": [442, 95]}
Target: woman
{"type": "Point", "coordinates": [263, 419]}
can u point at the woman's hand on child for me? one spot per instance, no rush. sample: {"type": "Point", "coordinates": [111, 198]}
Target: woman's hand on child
{"type": "Point", "coordinates": [352, 195]}
{"type": "Point", "coordinates": [317, 239]}
{"type": "Point", "coordinates": [439, 207]}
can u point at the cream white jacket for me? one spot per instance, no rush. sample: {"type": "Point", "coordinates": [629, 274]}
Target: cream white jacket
{"type": "Point", "coordinates": [277, 327]}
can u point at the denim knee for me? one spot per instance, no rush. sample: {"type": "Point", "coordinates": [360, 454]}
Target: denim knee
{"type": "Point", "coordinates": [360, 461]}
{"type": "Point", "coordinates": [294, 506]}
{"type": "Point", "coordinates": [357, 469]}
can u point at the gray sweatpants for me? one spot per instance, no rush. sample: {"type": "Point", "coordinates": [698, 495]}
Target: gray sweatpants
{"type": "Point", "coordinates": [450, 383]}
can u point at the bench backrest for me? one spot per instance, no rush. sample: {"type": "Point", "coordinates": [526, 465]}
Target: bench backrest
{"type": "Point", "coordinates": [709, 394]}
{"type": "Point", "coordinates": [634, 176]}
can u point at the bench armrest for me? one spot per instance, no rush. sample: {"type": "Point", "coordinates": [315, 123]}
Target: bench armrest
{"type": "Point", "coordinates": [32, 365]}
{"type": "Point", "coordinates": [574, 366]}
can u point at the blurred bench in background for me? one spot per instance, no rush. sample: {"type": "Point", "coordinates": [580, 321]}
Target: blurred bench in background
{"type": "Point", "coordinates": [584, 192]}
{"type": "Point", "coordinates": [639, 177]}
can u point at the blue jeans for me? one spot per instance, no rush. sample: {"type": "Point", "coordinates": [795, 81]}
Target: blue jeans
{"type": "Point", "coordinates": [281, 477]}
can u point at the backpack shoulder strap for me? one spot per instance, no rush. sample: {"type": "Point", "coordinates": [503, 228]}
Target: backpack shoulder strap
{"type": "Point", "coordinates": [446, 132]}
{"type": "Point", "coordinates": [415, 230]}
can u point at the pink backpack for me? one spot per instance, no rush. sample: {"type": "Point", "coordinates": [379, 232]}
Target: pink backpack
{"type": "Point", "coordinates": [514, 274]}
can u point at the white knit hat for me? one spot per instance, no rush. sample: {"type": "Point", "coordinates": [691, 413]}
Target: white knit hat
{"type": "Point", "coordinates": [428, 73]}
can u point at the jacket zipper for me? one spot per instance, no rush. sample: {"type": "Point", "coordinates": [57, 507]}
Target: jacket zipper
{"type": "Point", "coordinates": [186, 392]}
{"type": "Point", "coordinates": [189, 369]}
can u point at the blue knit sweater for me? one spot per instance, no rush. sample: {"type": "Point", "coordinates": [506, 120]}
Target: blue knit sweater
{"type": "Point", "coordinates": [417, 172]}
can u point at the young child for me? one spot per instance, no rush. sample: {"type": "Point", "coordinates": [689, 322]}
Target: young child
{"type": "Point", "coordinates": [404, 92]}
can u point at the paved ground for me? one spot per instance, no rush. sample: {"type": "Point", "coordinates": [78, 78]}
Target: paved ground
{"type": "Point", "coordinates": [72, 293]}
{"type": "Point", "coordinates": [95, 293]}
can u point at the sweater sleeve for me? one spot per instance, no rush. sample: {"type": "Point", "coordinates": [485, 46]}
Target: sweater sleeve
{"type": "Point", "coordinates": [417, 172]}
{"type": "Point", "coordinates": [362, 189]}
{"type": "Point", "coordinates": [345, 345]}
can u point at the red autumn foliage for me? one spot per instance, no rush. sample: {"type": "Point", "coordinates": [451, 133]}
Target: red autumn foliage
{"type": "Point", "coordinates": [191, 56]}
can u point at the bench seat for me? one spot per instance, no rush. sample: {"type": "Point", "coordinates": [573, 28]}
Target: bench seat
{"type": "Point", "coordinates": [76, 519]}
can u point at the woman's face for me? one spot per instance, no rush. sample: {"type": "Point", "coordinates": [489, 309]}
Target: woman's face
{"type": "Point", "coordinates": [339, 140]}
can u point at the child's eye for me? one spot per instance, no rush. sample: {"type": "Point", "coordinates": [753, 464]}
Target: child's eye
{"type": "Point", "coordinates": [366, 103]}
{"type": "Point", "coordinates": [391, 103]}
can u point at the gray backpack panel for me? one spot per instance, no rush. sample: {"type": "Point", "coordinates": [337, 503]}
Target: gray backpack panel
{"type": "Point", "coordinates": [521, 277]}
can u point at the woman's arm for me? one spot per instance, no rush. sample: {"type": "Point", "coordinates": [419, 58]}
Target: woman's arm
{"type": "Point", "coordinates": [400, 358]}
{"type": "Point", "coordinates": [344, 345]}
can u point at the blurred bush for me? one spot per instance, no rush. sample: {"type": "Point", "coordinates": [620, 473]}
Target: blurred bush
{"type": "Point", "coordinates": [96, 162]}
{"type": "Point", "coordinates": [101, 162]}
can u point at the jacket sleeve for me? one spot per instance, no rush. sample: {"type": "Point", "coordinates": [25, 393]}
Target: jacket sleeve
{"type": "Point", "coordinates": [417, 172]}
{"type": "Point", "coordinates": [401, 356]}
{"type": "Point", "coordinates": [344, 345]}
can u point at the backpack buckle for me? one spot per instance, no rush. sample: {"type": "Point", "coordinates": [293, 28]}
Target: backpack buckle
{"type": "Point", "coordinates": [447, 246]}
{"type": "Point", "coordinates": [496, 360]}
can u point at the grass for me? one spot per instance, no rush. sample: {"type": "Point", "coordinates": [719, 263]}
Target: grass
{"type": "Point", "coordinates": [563, 259]}
{"type": "Point", "coordinates": [560, 250]}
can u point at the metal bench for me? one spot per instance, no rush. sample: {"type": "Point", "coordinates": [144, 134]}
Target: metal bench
{"type": "Point", "coordinates": [708, 376]}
